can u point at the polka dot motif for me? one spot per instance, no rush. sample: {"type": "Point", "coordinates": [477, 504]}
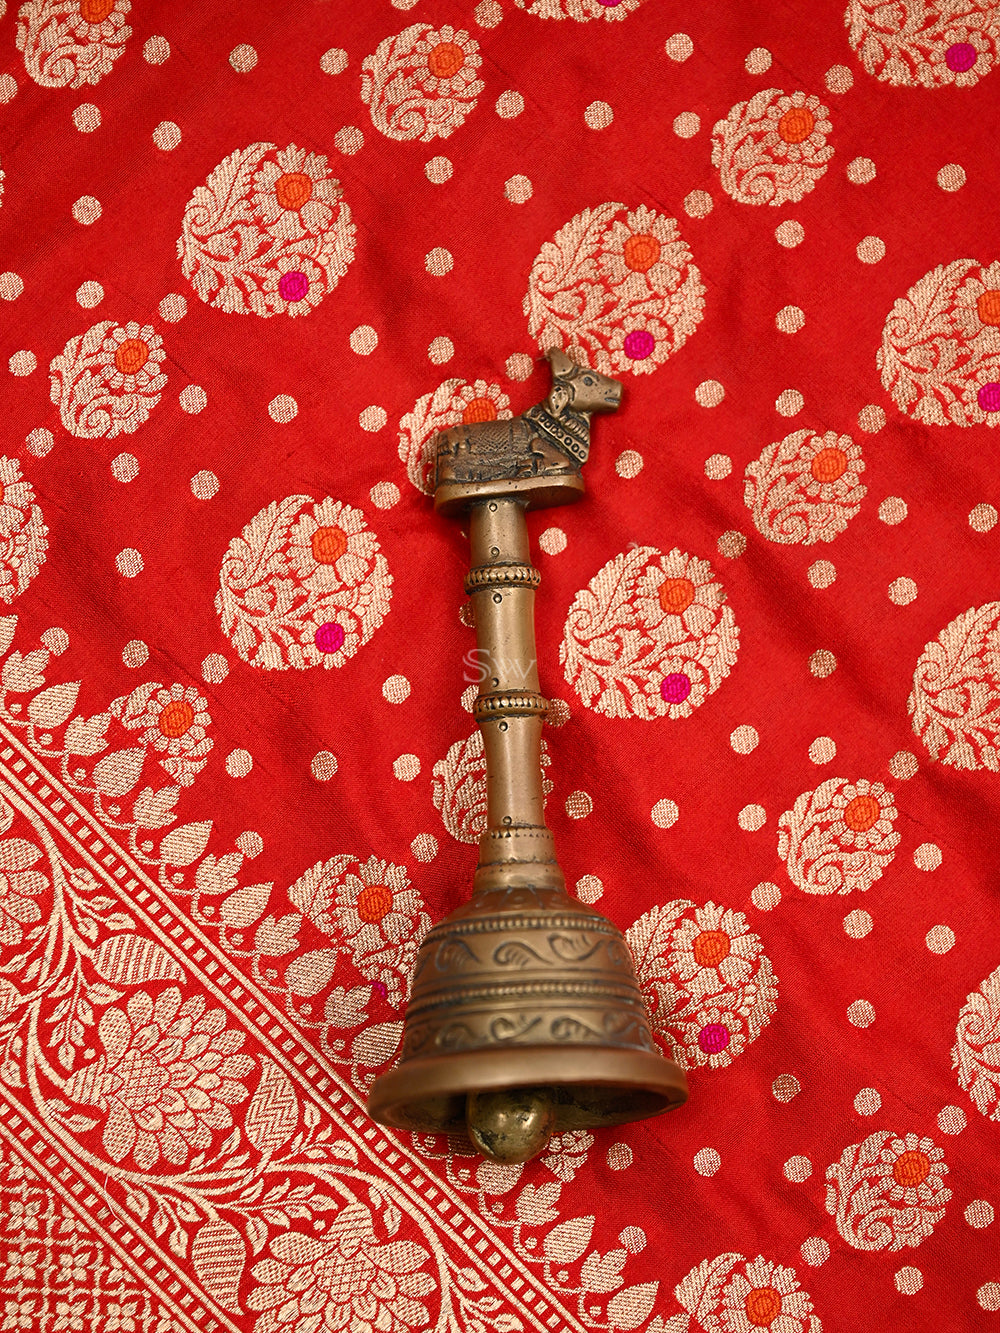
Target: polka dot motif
{"type": "Point", "coordinates": [707, 1161]}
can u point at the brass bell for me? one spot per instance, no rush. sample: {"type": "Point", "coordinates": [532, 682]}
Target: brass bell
{"type": "Point", "coordinates": [525, 1017]}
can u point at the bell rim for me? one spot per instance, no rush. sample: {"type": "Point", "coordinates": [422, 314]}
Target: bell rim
{"type": "Point", "coordinates": [424, 1079]}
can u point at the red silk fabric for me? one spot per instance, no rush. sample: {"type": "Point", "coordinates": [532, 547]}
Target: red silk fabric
{"type": "Point", "coordinates": [253, 258]}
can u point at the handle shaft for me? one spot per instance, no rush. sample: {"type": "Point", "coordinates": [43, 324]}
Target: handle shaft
{"type": "Point", "coordinates": [516, 848]}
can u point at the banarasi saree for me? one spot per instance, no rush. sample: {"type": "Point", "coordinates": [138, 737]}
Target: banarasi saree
{"type": "Point", "coordinates": [252, 258]}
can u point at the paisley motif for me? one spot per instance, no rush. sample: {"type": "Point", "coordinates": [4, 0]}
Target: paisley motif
{"type": "Point", "coordinates": [268, 233]}
{"type": "Point", "coordinates": [304, 585]}
{"type": "Point", "coordinates": [840, 837]}
{"type": "Point", "coordinates": [925, 43]}
{"type": "Point", "coordinates": [651, 636]}
{"type": "Point", "coordinates": [955, 700]}
{"type": "Point", "coordinates": [772, 149]}
{"type": "Point", "coordinates": [805, 488]}
{"type": "Point", "coordinates": [976, 1053]}
{"type": "Point", "coordinates": [615, 288]}
{"type": "Point", "coordinates": [940, 353]}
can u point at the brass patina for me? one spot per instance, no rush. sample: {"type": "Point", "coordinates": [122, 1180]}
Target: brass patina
{"type": "Point", "coordinates": [525, 1018]}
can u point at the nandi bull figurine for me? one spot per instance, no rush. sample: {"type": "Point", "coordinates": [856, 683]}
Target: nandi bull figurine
{"type": "Point", "coordinates": [525, 1018]}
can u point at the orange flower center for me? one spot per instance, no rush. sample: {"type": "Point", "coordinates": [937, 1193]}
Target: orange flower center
{"type": "Point", "coordinates": [374, 902]}
{"type": "Point", "coordinates": [328, 545]}
{"type": "Point", "coordinates": [763, 1305]}
{"type": "Point", "coordinates": [676, 595]}
{"type": "Point", "coordinates": [176, 719]}
{"type": "Point", "coordinates": [293, 189]}
{"type": "Point", "coordinates": [711, 947]}
{"type": "Point", "coordinates": [796, 124]}
{"type": "Point", "coordinates": [641, 252]}
{"type": "Point", "coordinates": [95, 11]}
{"type": "Point", "coordinates": [988, 307]}
{"type": "Point", "coordinates": [829, 465]}
{"type": "Point", "coordinates": [131, 356]}
{"type": "Point", "coordinates": [446, 59]}
{"type": "Point", "coordinates": [480, 409]}
{"type": "Point", "coordinates": [861, 813]}
{"type": "Point", "coordinates": [911, 1168]}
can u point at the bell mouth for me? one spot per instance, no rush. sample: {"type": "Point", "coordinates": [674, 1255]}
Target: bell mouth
{"type": "Point", "coordinates": [601, 1086]}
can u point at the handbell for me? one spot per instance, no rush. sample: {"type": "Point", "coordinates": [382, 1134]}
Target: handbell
{"type": "Point", "coordinates": [525, 1017]}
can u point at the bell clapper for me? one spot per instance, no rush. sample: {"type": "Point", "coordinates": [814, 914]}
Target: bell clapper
{"type": "Point", "coordinates": [511, 1124]}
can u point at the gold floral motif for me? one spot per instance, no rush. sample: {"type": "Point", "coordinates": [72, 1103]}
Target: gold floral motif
{"type": "Point", "coordinates": [772, 149]}
{"type": "Point", "coordinates": [107, 381]}
{"type": "Point", "coordinates": [733, 1294]}
{"type": "Point", "coordinates": [345, 1280]}
{"type": "Point", "coordinates": [615, 288]}
{"type": "Point", "coordinates": [650, 637]}
{"type": "Point", "coordinates": [166, 1079]}
{"type": "Point", "coordinates": [452, 403]}
{"type": "Point", "coordinates": [71, 45]}
{"type": "Point", "coordinates": [23, 534]}
{"type": "Point", "coordinates": [888, 1191]}
{"type": "Point", "coordinates": [173, 722]}
{"type": "Point", "coordinates": [839, 837]}
{"type": "Point", "coordinates": [940, 352]}
{"type": "Point", "coordinates": [294, 194]}
{"type": "Point", "coordinates": [20, 886]}
{"type": "Point", "coordinates": [304, 585]}
{"type": "Point", "coordinates": [977, 1044]}
{"type": "Point", "coordinates": [580, 10]}
{"type": "Point", "coordinates": [805, 488]}
{"type": "Point", "coordinates": [268, 233]}
{"type": "Point", "coordinates": [925, 43]}
{"type": "Point", "coordinates": [955, 699]}
{"type": "Point", "coordinates": [422, 83]}
{"type": "Point", "coordinates": [708, 985]}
